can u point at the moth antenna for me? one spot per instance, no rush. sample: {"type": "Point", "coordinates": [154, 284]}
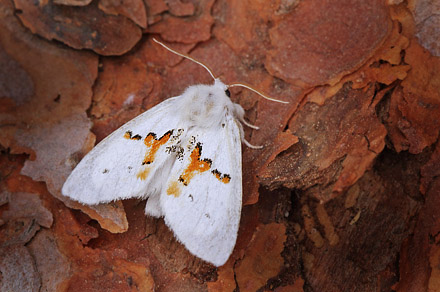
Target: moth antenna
{"type": "Point", "coordinates": [187, 57]}
{"type": "Point", "coordinates": [212, 74]}
{"type": "Point", "coordinates": [256, 91]}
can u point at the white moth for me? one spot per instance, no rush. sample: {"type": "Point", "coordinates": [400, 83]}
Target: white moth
{"type": "Point", "coordinates": [184, 155]}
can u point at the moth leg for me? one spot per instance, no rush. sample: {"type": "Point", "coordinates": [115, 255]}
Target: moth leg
{"type": "Point", "coordinates": [248, 124]}
{"type": "Point", "coordinates": [239, 113]}
{"type": "Point", "coordinates": [246, 142]}
{"type": "Point", "coordinates": [250, 145]}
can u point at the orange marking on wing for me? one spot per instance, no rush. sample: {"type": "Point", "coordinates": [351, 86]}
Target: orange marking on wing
{"type": "Point", "coordinates": [142, 175]}
{"type": "Point", "coordinates": [195, 166]}
{"type": "Point", "coordinates": [225, 178]}
{"type": "Point", "coordinates": [173, 189]}
{"type": "Point", "coordinates": [154, 144]}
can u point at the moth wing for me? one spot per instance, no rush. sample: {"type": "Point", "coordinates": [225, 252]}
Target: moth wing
{"type": "Point", "coordinates": [115, 169]}
{"type": "Point", "coordinates": [204, 214]}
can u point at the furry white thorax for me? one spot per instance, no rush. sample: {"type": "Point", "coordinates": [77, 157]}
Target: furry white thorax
{"type": "Point", "coordinates": [206, 106]}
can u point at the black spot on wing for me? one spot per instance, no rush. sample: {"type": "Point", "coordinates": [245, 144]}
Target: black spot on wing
{"type": "Point", "coordinates": [151, 134]}
{"type": "Point", "coordinates": [216, 172]}
{"type": "Point", "coordinates": [207, 160]}
{"type": "Point", "coordinates": [129, 135]}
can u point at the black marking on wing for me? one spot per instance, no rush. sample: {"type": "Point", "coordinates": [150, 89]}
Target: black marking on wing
{"type": "Point", "coordinates": [129, 135]}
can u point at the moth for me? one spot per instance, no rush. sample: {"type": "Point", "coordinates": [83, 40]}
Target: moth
{"type": "Point", "coordinates": [184, 155]}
